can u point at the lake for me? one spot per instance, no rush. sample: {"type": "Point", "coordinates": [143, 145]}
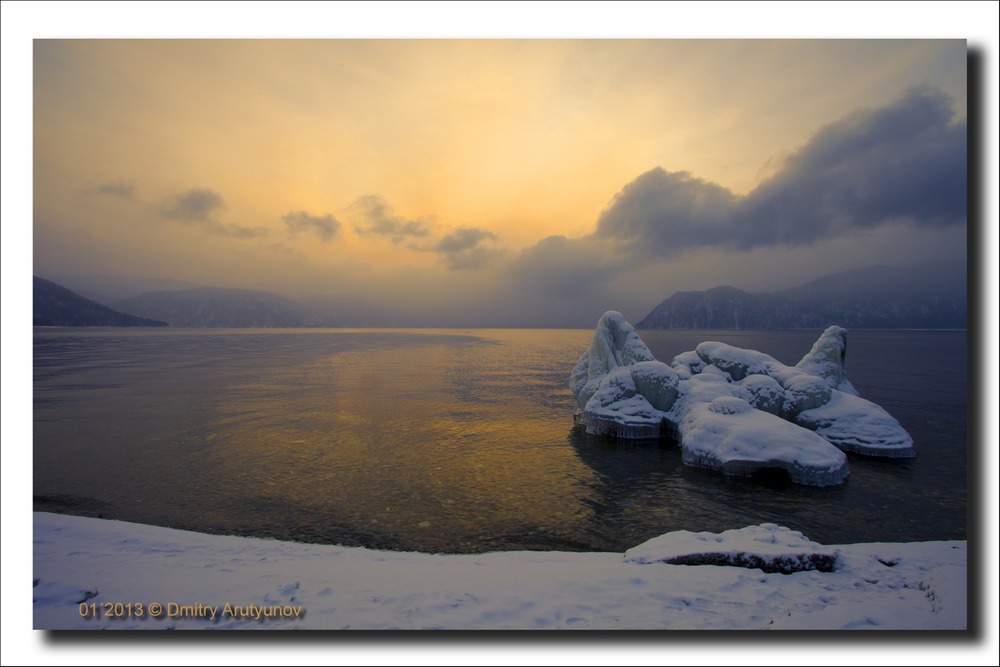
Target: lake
{"type": "Point", "coordinates": [451, 441]}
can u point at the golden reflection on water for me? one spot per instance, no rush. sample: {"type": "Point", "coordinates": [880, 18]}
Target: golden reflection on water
{"type": "Point", "coordinates": [368, 436]}
{"type": "Point", "coordinates": [454, 441]}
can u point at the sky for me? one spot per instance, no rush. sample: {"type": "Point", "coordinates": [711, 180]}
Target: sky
{"type": "Point", "coordinates": [805, 104]}
{"type": "Point", "coordinates": [473, 182]}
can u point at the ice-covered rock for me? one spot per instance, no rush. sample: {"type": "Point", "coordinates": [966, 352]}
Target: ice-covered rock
{"type": "Point", "coordinates": [718, 425]}
{"type": "Point", "coordinates": [617, 408]}
{"type": "Point", "coordinates": [619, 386]}
{"type": "Point", "coordinates": [687, 364]}
{"type": "Point", "coordinates": [615, 343]}
{"type": "Point", "coordinates": [769, 547]}
{"type": "Point", "coordinates": [657, 383]}
{"type": "Point", "coordinates": [765, 393]}
{"type": "Point", "coordinates": [731, 435]}
{"type": "Point", "coordinates": [736, 410]}
{"type": "Point", "coordinates": [737, 362]}
{"type": "Point", "coordinates": [803, 392]}
{"type": "Point", "coordinates": [857, 425]}
{"type": "Point", "coordinates": [827, 359]}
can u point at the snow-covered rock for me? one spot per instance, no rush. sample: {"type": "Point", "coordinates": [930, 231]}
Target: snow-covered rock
{"type": "Point", "coordinates": [767, 547]}
{"type": "Point", "coordinates": [857, 425]}
{"type": "Point", "coordinates": [688, 364]}
{"type": "Point", "coordinates": [615, 343]}
{"type": "Point", "coordinates": [731, 435]}
{"type": "Point", "coordinates": [736, 410]}
{"type": "Point", "coordinates": [617, 408]}
{"type": "Point", "coordinates": [657, 382]}
{"type": "Point", "coordinates": [738, 363]}
{"type": "Point", "coordinates": [827, 357]}
{"type": "Point", "coordinates": [619, 386]}
{"type": "Point", "coordinates": [766, 394]}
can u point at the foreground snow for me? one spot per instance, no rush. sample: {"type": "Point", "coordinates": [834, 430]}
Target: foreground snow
{"type": "Point", "coordinates": [285, 585]}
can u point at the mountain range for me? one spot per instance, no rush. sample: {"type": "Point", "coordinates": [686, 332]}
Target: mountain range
{"type": "Point", "coordinates": [218, 307]}
{"type": "Point", "coordinates": [55, 305]}
{"type": "Point", "coordinates": [920, 296]}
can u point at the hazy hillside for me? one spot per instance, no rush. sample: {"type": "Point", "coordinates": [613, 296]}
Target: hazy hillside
{"type": "Point", "coordinates": [728, 308]}
{"type": "Point", "coordinates": [54, 305]}
{"type": "Point", "coordinates": [112, 288]}
{"type": "Point", "coordinates": [922, 296]}
{"type": "Point", "coordinates": [218, 307]}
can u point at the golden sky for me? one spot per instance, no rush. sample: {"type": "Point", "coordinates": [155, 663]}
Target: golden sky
{"type": "Point", "coordinates": [403, 170]}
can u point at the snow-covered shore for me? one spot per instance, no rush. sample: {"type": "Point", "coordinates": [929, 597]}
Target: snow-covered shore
{"type": "Point", "coordinates": [282, 585]}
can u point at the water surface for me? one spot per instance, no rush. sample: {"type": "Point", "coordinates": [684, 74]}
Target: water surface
{"type": "Point", "coordinates": [450, 440]}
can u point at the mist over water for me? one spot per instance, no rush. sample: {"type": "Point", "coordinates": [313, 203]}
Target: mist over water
{"type": "Point", "coordinates": [451, 440]}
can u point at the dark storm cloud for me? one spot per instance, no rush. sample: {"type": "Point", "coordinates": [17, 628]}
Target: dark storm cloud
{"type": "Point", "coordinates": [324, 226]}
{"type": "Point", "coordinates": [565, 268]}
{"type": "Point", "coordinates": [663, 212]}
{"type": "Point", "coordinates": [195, 205]}
{"type": "Point", "coordinates": [123, 189]}
{"type": "Point", "coordinates": [463, 249]}
{"type": "Point", "coordinates": [903, 162]}
{"type": "Point", "coordinates": [380, 221]}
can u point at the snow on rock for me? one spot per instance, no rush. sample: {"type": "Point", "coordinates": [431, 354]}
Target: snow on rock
{"type": "Point", "coordinates": [619, 386]}
{"type": "Point", "coordinates": [728, 434]}
{"type": "Point", "coordinates": [657, 383]}
{"type": "Point", "coordinates": [737, 362]}
{"type": "Point", "coordinates": [795, 418]}
{"type": "Point", "coordinates": [918, 586]}
{"type": "Point", "coordinates": [802, 391]}
{"type": "Point", "coordinates": [827, 357]}
{"type": "Point", "coordinates": [617, 408]}
{"type": "Point", "coordinates": [765, 393]}
{"type": "Point", "coordinates": [687, 364]}
{"type": "Point", "coordinates": [615, 343]}
{"type": "Point", "coordinates": [856, 425]}
{"type": "Point", "coordinates": [767, 547]}
{"type": "Point", "coordinates": [815, 394]}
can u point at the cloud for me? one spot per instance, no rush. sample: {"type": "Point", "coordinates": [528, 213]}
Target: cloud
{"type": "Point", "coordinates": [198, 206]}
{"type": "Point", "coordinates": [195, 205]}
{"type": "Point", "coordinates": [565, 268]}
{"type": "Point", "coordinates": [379, 221]}
{"type": "Point", "coordinates": [324, 226]}
{"type": "Point", "coordinates": [464, 248]}
{"type": "Point", "coordinates": [903, 162]}
{"type": "Point", "coordinates": [123, 189]}
{"type": "Point", "coordinates": [461, 249]}
{"type": "Point", "coordinates": [237, 231]}
{"type": "Point", "coordinates": [663, 212]}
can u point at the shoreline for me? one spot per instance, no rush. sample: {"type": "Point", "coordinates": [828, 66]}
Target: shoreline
{"type": "Point", "coordinates": [103, 566]}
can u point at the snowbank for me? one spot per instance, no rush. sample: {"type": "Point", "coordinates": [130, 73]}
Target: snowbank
{"type": "Point", "coordinates": [96, 566]}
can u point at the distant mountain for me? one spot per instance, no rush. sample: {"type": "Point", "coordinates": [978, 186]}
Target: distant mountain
{"type": "Point", "coordinates": [729, 308]}
{"type": "Point", "coordinates": [922, 296]}
{"type": "Point", "coordinates": [54, 305]}
{"type": "Point", "coordinates": [218, 307]}
{"type": "Point", "coordinates": [111, 288]}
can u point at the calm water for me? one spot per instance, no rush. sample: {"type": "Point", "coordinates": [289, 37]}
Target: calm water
{"type": "Point", "coordinates": [450, 440]}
